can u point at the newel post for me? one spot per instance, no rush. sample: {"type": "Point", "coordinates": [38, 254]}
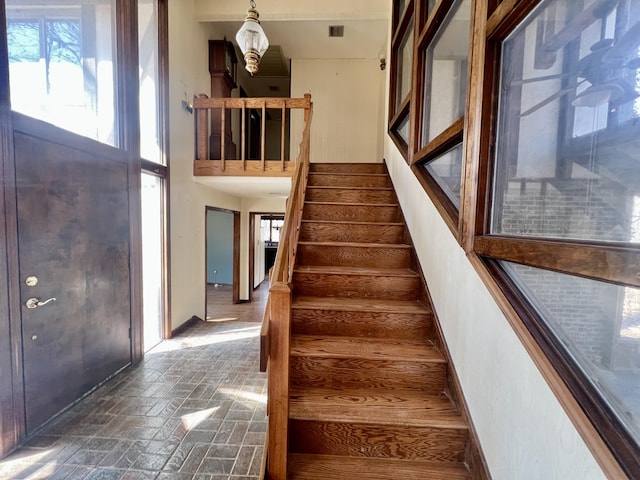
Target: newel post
{"type": "Point", "coordinates": [279, 335]}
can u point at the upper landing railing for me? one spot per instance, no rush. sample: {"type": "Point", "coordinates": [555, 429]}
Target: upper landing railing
{"type": "Point", "coordinates": [216, 154]}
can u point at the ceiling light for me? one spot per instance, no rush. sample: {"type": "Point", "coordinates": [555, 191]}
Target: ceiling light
{"type": "Point", "coordinates": [251, 39]}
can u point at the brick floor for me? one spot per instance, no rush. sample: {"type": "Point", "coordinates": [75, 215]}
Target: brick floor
{"type": "Point", "coordinates": [194, 408]}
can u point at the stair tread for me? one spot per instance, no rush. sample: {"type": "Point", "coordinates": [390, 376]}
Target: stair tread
{"type": "Point", "coordinates": [348, 222]}
{"type": "Point", "coordinates": [340, 270]}
{"type": "Point", "coordinates": [338, 187]}
{"type": "Point", "coordinates": [350, 174]}
{"type": "Point", "coordinates": [352, 204]}
{"type": "Point", "coordinates": [356, 304]}
{"type": "Point", "coordinates": [375, 406]}
{"type": "Point", "coordinates": [335, 467]}
{"type": "Point", "coordinates": [369, 348]}
{"type": "Point", "coordinates": [403, 246]}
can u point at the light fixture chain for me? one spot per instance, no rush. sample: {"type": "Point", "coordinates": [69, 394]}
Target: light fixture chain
{"type": "Point", "coordinates": [252, 3]}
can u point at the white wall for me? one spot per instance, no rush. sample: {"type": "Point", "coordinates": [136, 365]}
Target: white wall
{"type": "Point", "coordinates": [188, 57]}
{"type": "Point", "coordinates": [347, 96]}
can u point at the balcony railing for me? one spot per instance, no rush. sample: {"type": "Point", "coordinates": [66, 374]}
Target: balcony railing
{"type": "Point", "coordinates": [216, 154]}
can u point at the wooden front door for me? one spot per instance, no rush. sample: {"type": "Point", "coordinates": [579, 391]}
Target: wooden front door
{"type": "Point", "coordinates": [73, 231]}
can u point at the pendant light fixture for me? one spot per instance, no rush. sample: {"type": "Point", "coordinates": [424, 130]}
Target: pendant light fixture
{"type": "Point", "coordinates": [251, 39]}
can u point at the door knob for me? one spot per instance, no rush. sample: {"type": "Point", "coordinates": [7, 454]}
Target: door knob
{"type": "Point", "coordinates": [35, 303]}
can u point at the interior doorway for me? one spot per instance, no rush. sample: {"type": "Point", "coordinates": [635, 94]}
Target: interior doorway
{"type": "Point", "coordinates": [264, 238]}
{"type": "Point", "coordinates": [222, 260]}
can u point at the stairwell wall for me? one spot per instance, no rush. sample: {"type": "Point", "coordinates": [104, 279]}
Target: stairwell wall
{"type": "Point", "coordinates": [347, 96]}
{"type": "Point", "coordinates": [188, 75]}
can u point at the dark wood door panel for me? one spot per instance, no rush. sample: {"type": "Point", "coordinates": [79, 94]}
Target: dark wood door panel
{"type": "Point", "coordinates": [73, 227]}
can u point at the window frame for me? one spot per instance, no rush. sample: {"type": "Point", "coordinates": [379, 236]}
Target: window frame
{"type": "Point", "coordinates": [399, 109]}
{"type": "Point", "coordinates": [604, 261]}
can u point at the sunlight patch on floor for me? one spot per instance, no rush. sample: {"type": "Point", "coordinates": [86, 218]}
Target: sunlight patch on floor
{"type": "Point", "coordinates": [247, 396]}
{"type": "Point", "coordinates": [192, 420]}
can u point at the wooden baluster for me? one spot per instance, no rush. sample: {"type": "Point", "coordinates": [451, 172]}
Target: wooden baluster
{"type": "Point", "coordinates": [242, 135]}
{"type": "Point", "coordinates": [284, 111]}
{"type": "Point", "coordinates": [203, 131]}
{"type": "Point", "coordinates": [264, 128]}
{"type": "Point", "coordinates": [223, 115]}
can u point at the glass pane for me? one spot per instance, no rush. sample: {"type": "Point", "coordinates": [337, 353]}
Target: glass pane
{"type": "Point", "coordinates": [61, 64]}
{"type": "Point", "coordinates": [150, 148]}
{"type": "Point", "coordinates": [568, 144]}
{"type": "Point", "coordinates": [445, 85]}
{"type": "Point", "coordinates": [405, 62]}
{"type": "Point", "coordinates": [446, 170]}
{"type": "Point", "coordinates": [152, 259]}
{"type": "Point", "coordinates": [599, 324]}
{"type": "Point", "coordinates": [403, 129]}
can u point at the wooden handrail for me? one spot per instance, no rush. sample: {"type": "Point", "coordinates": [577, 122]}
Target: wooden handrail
{"type": "Point", "coordinates": [209, 108]}
{"type": "Point", "coordinates": [275, 334]}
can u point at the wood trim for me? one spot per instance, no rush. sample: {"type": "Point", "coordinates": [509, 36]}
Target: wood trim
{"type": "Point", "coordinates": [252, 252]}
{"type": "Point", "coordinates": [434, 22]}
{"type": "Point", "coordinates": [475, 156]}
{"type": "Point", "coordinates": [163, 112]}
{"type": "Point", "coordinates": [611, 263]}
{"type": "Point", "coordinates": [12, 412]}
{"type": "Point", "coordinates": [236, 257]}
{"type": "Point", "coordinates": [204, 102]}
{"type": "Point", "coordinates": [128, 102]}
{"type": "Point", "coordinates": [557, 375]}
{"type": "Point", "coordinates": [507, 15]}
{"type": "Point", "coordinates": [443, 142]}
{"type": "Point", "coordinates": [235, 168]}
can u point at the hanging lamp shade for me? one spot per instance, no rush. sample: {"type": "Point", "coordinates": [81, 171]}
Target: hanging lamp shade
{"type": "Point", "coordinates": [251, 39]}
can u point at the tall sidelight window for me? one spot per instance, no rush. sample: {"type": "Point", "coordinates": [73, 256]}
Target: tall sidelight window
{"type": "Point", "coordinates": [401, 73]}
{"type": "Point", "coordinates": [61, 64]}
{"type": "Point", "coordinates": [564, 199]}
{"type": "Point", "coordinates": [150, 101]}
{"type": "Point", "coordinates": [442, 55]}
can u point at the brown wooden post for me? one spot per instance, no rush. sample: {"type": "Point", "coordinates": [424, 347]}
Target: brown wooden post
{"type": "Point", "coordinates": [264, 129]}
{"type": "Point", "coordinates": [203, 127]}
{"type": "Point", "coordinates": [242, 135]}
{"type": "Point", "coordinates": [279, 336]}
{"type": "Point", "coordinates": [223, 115]}
{"type": "Point", "coordinates": [284, 116]}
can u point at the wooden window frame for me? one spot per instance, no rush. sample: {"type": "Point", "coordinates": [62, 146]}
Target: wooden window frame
{"type": "Point", "coordinates": [612, 446]}
{"type": "Point", "coordinates": [399, 109]}
{"type": "Point", "coordinates": [454, 134]}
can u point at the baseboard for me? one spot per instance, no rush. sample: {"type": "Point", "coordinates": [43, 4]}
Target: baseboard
{"type": "Point", "coordinates": [189, 323]}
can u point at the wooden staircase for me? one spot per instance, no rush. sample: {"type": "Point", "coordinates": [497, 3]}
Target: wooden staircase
{"type": "Point", "coordinates": [370, 392]}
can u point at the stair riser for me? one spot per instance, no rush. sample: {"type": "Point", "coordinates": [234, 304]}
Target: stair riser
{"type": "Point", "coordinates": [328, 180]}
{"type": "Point", "coordinates": [348, 167]}
{"type": "Point", "coordinates": [399, 326]}
{"type": "Point", "coordinates": [356, 286]}
{"type": "Point", "coordinates": [363, 440]}
{"type": "Point", "coordinates": [366, 257]}
{"type": "Point", "coordinates": [341, 373]}
{"type": "Point", "coordinates": [331, 232]}
{"type": "Point", "coordinates": [355, 213]}
{"type": "Point", "coordinates": [349, 196]}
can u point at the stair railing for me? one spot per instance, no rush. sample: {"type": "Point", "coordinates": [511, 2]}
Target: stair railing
{"type": "Point", "coordinates": [275, 334]}
{"type": "Point", "coordinates": [214, 146]}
